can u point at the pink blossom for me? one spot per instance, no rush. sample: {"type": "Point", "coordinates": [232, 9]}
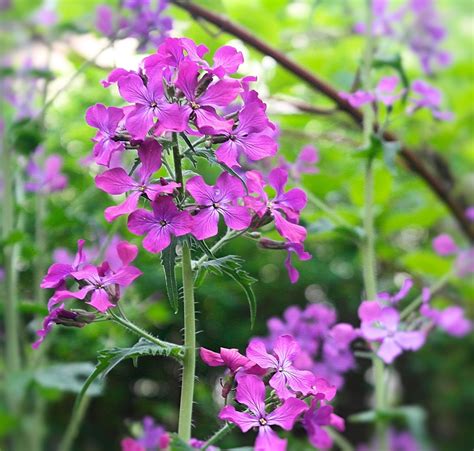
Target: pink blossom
{"type": "Point", "coordinates": [383, 325]}
{"type": "Point", "coordinates": [161, 224]}
{"type": "Point", "coordinates": [315, 421]}
{"type": "Point", "coordinates": [358, 98]}
{"type": "Point", "coordinates": [107, 121]}
{"type": "Point", "coordinates": [45, 176]}
{"type": "Point", "coordinates": [426, 96]}
{"type": "Point", "coordinates": [304, 164]}
{"type": "Point", "coordinates": [285, 350]}
{"type": "Point", "coordinates": [251, 393]}
{"type": "Point", "coordinates": [117, 181]}
{"type": "Point", "coordinates": [150, 103]}
{"type": "Point", "coordinates": [444, 245]}
{"type": "Point", "coordinates": [230, 358]}
{"type": "Point", "coordinates": [220, 199]}
{"type": "Point", "coordinates": [226, 61]}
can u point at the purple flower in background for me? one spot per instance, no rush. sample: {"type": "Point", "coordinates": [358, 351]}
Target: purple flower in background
{"type": "Point", "coordinates": [202, 107]}
{"type": "Point", "coordinates": [426, 96]}
{"type": "Point", "coordinates": [107, 121]}
{"type": "Point", "coordinates": [220, 199]}
{"type": "Point", "coordinates": [315, 421]}
{"type": "Point", "coordinates": [104, 20]}
{"type": "Point", "coordinates": [385, 91]}
{"type": "Point", "coordinates": [452, 319]}
{"type": "Point", "coordinates": [45, 173]}
{"type": "Point", "coordinates": [383, 19]}
{"type": "Point", "coordinates": [251, 393]}
{"type": "Point", "coordinates": [251, 137]}
{"type": "Point", "coordinates": [161, 224]}
{"type": "Point", "coordinates": [383, 325]}
{"type": "Point", "coordinates": [427, 33]}
{"type": "Point", "coordinates": [116, 181]}
{"type": "Point", "coordinates": [46, 17]}
{"type": "Point", "coordinates": [154, 437]}
{"type": "Point", "coordinates": [285, 350]}
{"type": "Point", "coordinates": [470, 213]}
{"type": "Point", "coordinates": [444, 245]}
{"type": "Point", "coordinates": [305, 163]}
{"type": "Point", "coordinates": [358, 98]}
{"type": "Point", "coordinates": [48, 323]}
{"type": "Point", "coordinates": [150, 103]}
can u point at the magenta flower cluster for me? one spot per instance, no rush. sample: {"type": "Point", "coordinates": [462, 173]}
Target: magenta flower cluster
{"type": "Point", "coordinates": [98, 286]}
{"type": "Point", "coordinates": [176, 91]}
{"type": "Point", "coordinates": [272, 393]}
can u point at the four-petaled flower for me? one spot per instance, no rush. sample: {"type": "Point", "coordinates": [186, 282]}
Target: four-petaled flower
{"type": "Point", "coordinates": [251, 393]}
{"type": "Point", "coordinates": [285, 351]}
{"type": "Point", "coordinates": [220, 199]}
{"type": "Point", "coordinates": [161, 224]}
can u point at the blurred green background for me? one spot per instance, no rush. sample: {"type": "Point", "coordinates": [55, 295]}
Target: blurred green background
{"type": "Point", "coordinates": [318, 35]}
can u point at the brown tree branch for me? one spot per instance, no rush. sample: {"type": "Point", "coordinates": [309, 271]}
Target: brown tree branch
{"type": "Point", "coordinates": [411, 159]}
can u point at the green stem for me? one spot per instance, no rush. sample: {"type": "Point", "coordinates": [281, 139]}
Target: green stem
{"type": "Point", "coordinates": [189, 361]}
{"type": "Point", "coordinates": [175, 350]}
{"type": "Point", "coordinates": [12, 328]}
{"type": "Point", "coordinates": [368, 251]}
{"type": "Point", "coordinates": [73, 425]}
{"type": "Point", "coordinates": [318, 203]}
{"type": "Point", "coordinates": [41, 248]}
{"type": "Point", "coordinates": [340, 440]}
{"type": "Point", "coordinates": [178, 169]}
{"type": "Point", "coordinates": [224, 430]}
{"type": "Point", "coordinates": [230, 234]}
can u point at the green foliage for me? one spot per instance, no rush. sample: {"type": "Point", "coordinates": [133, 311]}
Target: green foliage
{"type": "Point", "coordinates": [168, 260]}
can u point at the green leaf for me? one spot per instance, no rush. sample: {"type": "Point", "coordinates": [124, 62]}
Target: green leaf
{"type": "Point", "coordinates": [372, 150]}
{"type": "Point", "coordinates": [108, 359]}
{"type": "Point", "coordinates": [168, 260]}
{"type": "Point", "coordinates": [367, 416]}
{"type": "Point", "coordinates": [69, 377]}
{"type": "Point", "coordinates": [231, 266]}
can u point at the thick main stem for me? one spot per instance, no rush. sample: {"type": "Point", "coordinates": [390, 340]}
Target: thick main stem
{"type": "Point", "coordinates": [189, 361]}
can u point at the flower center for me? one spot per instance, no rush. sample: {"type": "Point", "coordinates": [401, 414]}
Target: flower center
{"type": "Point", "coordinates": [153, 104]}
{"type": "Point", "coordinates": [142, 188]}
{"type": "Point", "coordinates": [215, 205]}
{"type": "Point", "coordinates": [262, 421]}
{"type": "Point", "coordinates": [163, 222]}
{"type": "Point", "coordinates": [195, 106]}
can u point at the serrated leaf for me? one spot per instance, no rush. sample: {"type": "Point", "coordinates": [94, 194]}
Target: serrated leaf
{"type": "Point", "coordinates": [168, 260]}
{"type": "Point", "coordinates": [108, 359]}
{"type": "Point", "coordinates": [231, 266]}
{"type": "Point", "coordinates": [69, 377]}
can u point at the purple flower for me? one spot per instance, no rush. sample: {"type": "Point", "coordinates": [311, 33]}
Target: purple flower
{"type": "Point", "coordinates": [161, 224]}
{"type": "Point", "coordinates": [202, 107]}
{"type": "Point", "coordinates": [470, 213]}
{"type": "Point", "coordinates": [220, 199]}
{"type": "Point", "coordinates": [106, 120]}
{"type": "Point", "coordinates": [385, 90]}
{"type": "Point", "coordinates": [427, 35]}
{"type": "Point", "coordinates": [452, 319]}
{"type": "Point", "coordinates": [58, 272]}
{"type": "Point", "coordinates": [117, 181]}
{"type": "Point", "coordinates": [150, 103]}
{"type": "Point", "coordinates": [395, 298]}
{"type": "Point", "coordinates": [48, 323]}
{"type": "Point", "coordinates": [45, 176]}
{"type": "Point", "coordinates": [95, 282]}
{"type": "Point", "coordinates": [383, 325]}
{"type": "Point", "coordinates": [304, 164]}
{"type": "Point", "coordinates": [251, 393]}
{"type": "Point", "coordinates": [444, 245]}
{"type": "Point", "coordinates": [251, 136]}
{"type": "Point", "coordinates": [358, 98]}
{"type": "Point", "coordinates": [285, 207]}
{"type": "Point", "coordinates": [426, 96]}
{"type": "Point", "coordinates": [315, 421]}
{"type": "Point", "coordinates": [226, 61]}
{"type": "Point", "coordinates": [298, 250]}
{"type": "Point", "coordinates": [104, 20]}
{"type": "Point", "coordinates": [285, 350]}
{"type": "Point", "coordinates": [230, 358]}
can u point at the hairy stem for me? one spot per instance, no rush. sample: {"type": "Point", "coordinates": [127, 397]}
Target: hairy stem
{"type": "Point", "coordinates": [189, 361]}
{"type": "Point", "coordinates": [178, 168]}
{"type": "Point", "coordinates": [218, 435]}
